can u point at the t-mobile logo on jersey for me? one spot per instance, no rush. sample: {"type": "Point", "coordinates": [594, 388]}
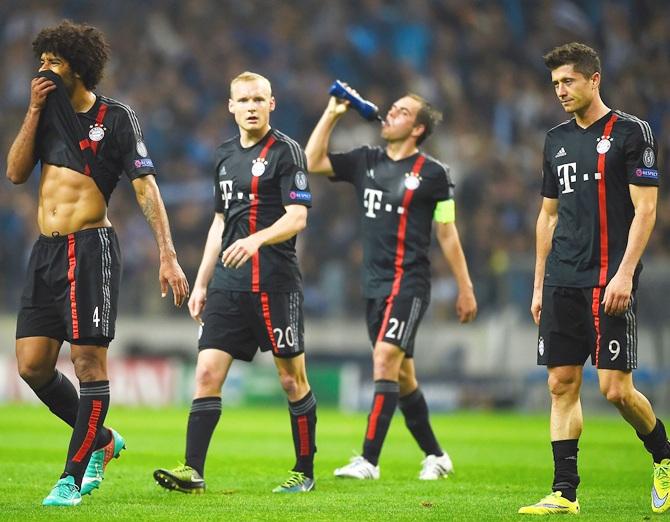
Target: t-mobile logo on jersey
{"type": "Point", "coordinates": [226, 191]}
{"type": "Point", "coordinates": [372, 201]}
{"type": "Point", "coordinates": [566, 175]}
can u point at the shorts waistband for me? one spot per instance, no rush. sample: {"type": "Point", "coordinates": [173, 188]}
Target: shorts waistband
{"type": "Point", "coordinates": [78, 234]}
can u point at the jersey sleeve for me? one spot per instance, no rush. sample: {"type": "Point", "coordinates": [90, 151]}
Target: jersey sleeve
{"type": "Point", "coordinates": [293, 177]}
{"type": "Point", "coordinates": [134, 154]}
{"type": "Point", "coordinates": [641, 156]}
{"type": "Point", "coordinates": [549, 181]}
{"type": "Point", "coordinates": [347, 166]}
{"type": "Point", "coordinates": [219, 205]}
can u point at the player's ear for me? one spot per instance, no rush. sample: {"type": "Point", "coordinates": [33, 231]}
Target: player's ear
{"type": "Point", "coordinates": [272, 103]}
{"type": "Point", "coordinates": [596, 80]}
{"type": "Point", "coordinates": [231, 106]}
{"type": "Point", "coordinates": [418, 130]}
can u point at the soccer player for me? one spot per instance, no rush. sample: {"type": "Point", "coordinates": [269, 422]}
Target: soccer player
{"type": "Point", "coordinates": [600, 183]}
{"type": "Point", "coordinates": [84, 142]}
{"type": "Point", "coordinates": [248, 291]}
{"type": "Point", "coordinates": [400, 191]}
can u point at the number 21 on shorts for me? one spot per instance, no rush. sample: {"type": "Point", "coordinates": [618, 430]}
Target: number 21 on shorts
{"type": "Point", "coordinates": [395, 328]}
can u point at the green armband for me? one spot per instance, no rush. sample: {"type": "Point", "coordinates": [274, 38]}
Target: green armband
{"type": "Point", "coordinates": [445, 211]}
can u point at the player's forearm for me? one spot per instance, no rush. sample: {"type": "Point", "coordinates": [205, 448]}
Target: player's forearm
{"type": "Point", "coordinates": [284, 228]}
{"type": "Point", "coordinates": [638, 237]}
{"type": "Point", "coordinates": [452, 249]}
{"type": "Point", "coordinates": [316, 149]}
{"type": "Point", "coordinates": [210, 255]}
{"type": "Point", "coordinates": [151, 203]}
{"type": "Point", "coordinates": [544, 233]}
{"type": "Point", "coordinates": [21, 156]}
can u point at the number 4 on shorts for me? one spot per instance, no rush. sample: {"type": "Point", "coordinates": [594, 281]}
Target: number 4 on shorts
{"type": "Point", "coordinates": [96, 319]}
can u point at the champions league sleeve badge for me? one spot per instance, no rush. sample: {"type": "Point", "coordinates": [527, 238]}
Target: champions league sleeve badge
{"type": "Point", "coordinates": [96, 132]}
{"type": "Point", "coordinates": [648, 157]}
{"type": "Point", "coordinates": [258, 167]}
{"type": "Point", "coordinates": [141, 149]}
{"type": "Point", "coordinates": [604, 144]}
{"type": "Point", "coordinates": [301, 180]}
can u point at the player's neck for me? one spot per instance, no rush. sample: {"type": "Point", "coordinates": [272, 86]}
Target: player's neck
{"type": "Point", "coordinates": [591, 114]}
{"type": "Point", "coordinates": [82, 99]}
{"type": "Point", "coordinates": [399, 150]}
{"type": "Point", "coordinates": [250, 138]}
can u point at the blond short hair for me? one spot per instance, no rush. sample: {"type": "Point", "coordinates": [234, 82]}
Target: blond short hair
{"type": "Point", "coordinates": [248, 76]}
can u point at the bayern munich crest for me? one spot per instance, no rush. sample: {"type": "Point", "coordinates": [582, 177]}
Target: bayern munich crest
{"type": "Point", "coordinates": [96, 132]}
{"type": "Point", "coordinates": [603, 145]}
{"type": "Point", "coordinates": [258, 167]}
{"type": "Point", "coordinates": [412, 182]}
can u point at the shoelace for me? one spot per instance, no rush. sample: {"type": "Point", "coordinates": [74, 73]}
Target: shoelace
{"type": "Point", "coordinates": [65, 489]}
{"type": "Point", "coordinates": [296, 478]}
{"type": "Point", "coordinates": [662, 474]}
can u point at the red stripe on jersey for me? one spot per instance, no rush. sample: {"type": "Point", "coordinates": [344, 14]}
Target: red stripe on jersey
{"type": "Point", "coordinates": [91, 433]}
{"type": "Point", "coordinates": [86, 142]}
{"type": "Point", "coordinates": [602, 207]}
{"type": "Point", "coordinates": [265, 305]}
{"type": "Point", "coordinates": [72, 265]}
{"type": "Point", "coordinates": [400, 246]}
{"type": "Point", "coordinates": [595, 311]}
{"type": "Point", "coordinates": [253, 219]}
{"type": "Point", "coordinates": [98, 120]}
{"type": "Point", "coordinates": [374, 417]}
{"type": "Point", "coordinates": [303, 436]}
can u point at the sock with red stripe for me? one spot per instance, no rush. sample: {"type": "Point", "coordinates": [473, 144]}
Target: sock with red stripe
{"type": "Point", "coordinates": [204, 416]}
{"type": "Point", "coordinates": [61, 398]}
{"type": "Point", "coordinates": [93, 406]}
{"type": "Point", "coordinates": [379, 420]}
{"type": "Point", "coordinates": [303, 427]}
{"type": "Point", "coordinates": [415, 410]}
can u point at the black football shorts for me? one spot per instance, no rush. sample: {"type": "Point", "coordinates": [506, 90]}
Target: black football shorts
{"type": "Point", "coordinates": [573, 326]}
{"type": "Point", "coordinates": [395, 320]}
{"type": "Point", "coordinates": [241, 322]}
{"type": "Point", "coordinates": [72, 288]}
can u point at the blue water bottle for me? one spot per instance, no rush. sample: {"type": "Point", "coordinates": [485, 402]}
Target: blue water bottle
{"type": "Point", "coordinates": [365, 108]}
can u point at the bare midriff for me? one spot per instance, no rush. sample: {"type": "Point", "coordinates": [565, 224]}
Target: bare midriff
{"type": "Point", "coordinates": [68, 202]}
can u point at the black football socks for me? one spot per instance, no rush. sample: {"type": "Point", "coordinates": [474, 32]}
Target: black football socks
{"type": "Point", "coordinates": [61, 398]}
{"type": "Point", "coordinates": [415, 410]}
{"type": "Point", "coordinates": [566, 478]}
{"type": "Point", "coordinates": [383, 406]}
{"type": "Point", "coordinates": [656, 442]}
{"type": "Point", "coordinates": [93, 406]}
{"type": "Point", "coordinates": [303, 428]}
{"type": "Point", "coordinates": [204, 416]}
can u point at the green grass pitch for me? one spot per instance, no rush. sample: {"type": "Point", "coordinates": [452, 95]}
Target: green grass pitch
{"type": "Point", "coordinates": [502, 461]}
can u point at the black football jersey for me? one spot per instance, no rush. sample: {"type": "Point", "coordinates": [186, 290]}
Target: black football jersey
{"type": "Point", "coordinates": [397, 200]}
{"type": "Point", "coordinates": [102, 143]}
{"type": "Point", "coordinates": [589, 171]}
{"type": "Point", "coordinates": [251, 188]}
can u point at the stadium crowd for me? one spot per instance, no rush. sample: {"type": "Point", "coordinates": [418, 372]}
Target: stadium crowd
{"type": "Point", "coordinates": [480, 62]}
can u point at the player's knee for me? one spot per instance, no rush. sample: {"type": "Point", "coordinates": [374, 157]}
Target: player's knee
{"type": "Point", "coordinates": [88, 367]}
{"type": "Point", "coordinates": [616, 395]}
{"type": "Point", "coordinates": [562, 384]}
{"type": "Point", "coordinates": [292, 383]}
{"type": "Point", "coordinates": [208, 378]}
{"type": "Point", "coordinates": [34, 373]}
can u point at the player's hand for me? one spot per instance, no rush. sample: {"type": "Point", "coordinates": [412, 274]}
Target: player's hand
{"type": "Point", "coordinates": [337, 107]}
{"type": "Point", "coordinates": [196, 303]}
{"type": "Point", "coordinates": [170, 273]}
{"type": "Point", "coordinates": [466, 306]}
{"type": "Point", "coordinates": [617, 295]}
{"type": "Point", "coordinates": [240, 252]}
{"type": "Point", "coordinates": [536, 306]}
{"type": "Point", "coordinates": [39, 90]}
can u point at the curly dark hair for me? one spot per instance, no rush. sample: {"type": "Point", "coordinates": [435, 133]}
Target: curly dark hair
{"type": "Point", "coordinates": [583, 58]}
{"type": "Point", "coordinates": [82, 46]}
